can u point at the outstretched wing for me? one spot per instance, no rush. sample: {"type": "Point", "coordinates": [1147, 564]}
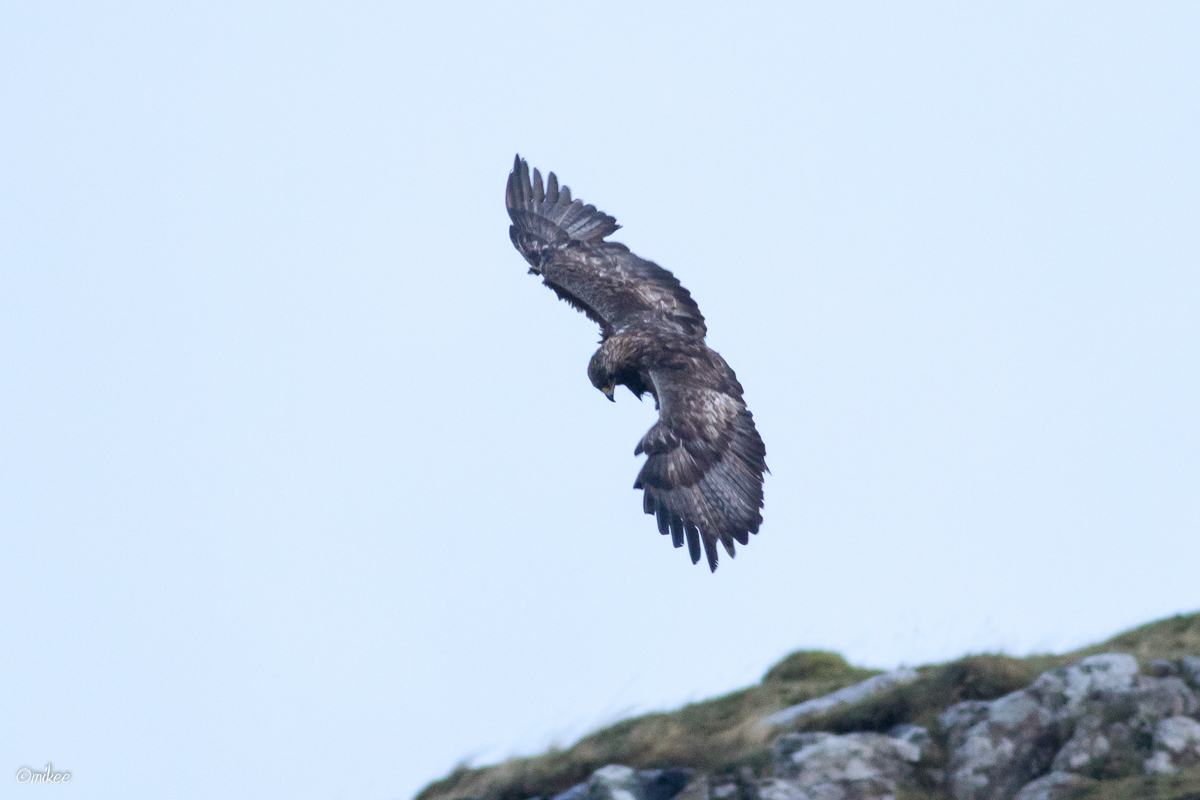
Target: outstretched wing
{"type": "Point", "coordinates": [704, 476]}
{"type": "Point", "coordinates": [563, 241]}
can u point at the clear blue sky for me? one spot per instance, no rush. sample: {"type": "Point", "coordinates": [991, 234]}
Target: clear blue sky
{"type": "Point", "coordinates": [304, 491]}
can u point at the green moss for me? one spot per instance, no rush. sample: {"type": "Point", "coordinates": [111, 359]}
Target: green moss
{"type": "Point", "coordinates": [811, 665]}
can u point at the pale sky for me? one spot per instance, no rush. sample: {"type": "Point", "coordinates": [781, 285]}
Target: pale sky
{"type": "Point", "coordinates": [304, 491]}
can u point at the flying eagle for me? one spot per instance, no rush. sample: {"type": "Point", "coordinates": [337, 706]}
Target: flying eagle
{"type": "Point", "coordinates": [704, 474]}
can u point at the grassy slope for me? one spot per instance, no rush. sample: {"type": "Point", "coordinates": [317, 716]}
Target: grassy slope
{"type": "Point", "coordinates": [720, 734]}
{"type": "Point", "coordinates": [1183, 786]}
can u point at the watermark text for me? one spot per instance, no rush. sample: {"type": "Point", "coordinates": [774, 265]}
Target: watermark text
{"type": "Point", "coordinates": [48, 775]}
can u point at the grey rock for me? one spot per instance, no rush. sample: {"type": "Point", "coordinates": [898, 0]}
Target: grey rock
{"type": "Point", "coordinates": [577, 792]}
{"type": "Point", "coordinates": [956, 721]}
{"type": "Point", "coordinates": [816, 758]}
{"type": "Point", "coordinates": [783, 789]}
{"type": "Point", "coordinates": [1176, 745]}
{"type": "Point", "coordinates": [698, 789]}
{"type": "Point", "coordinates": [996, 748]}
{"type": "Point", "coordinates": [740, 786]}
{"type": "Point", "coordinates": [614, 782]}
{"type": "Point", "coordinates": [1096, 749]}
{"type": "Point", "coordinates": [617, 782]}
{"type": "Point", "coordinates": [1054, 786]}
{"type": "Point", "coordinates": [1164, 697]}
{"type": "Point", "coordinates": [1190, 667]}
{"type": "Point", "coordinates": [915, 735]}
{"type": "Point", "coordinates": [1095, 719]}
{"type": "Point", "coordinates": [1113, 729]}
{"type": "Point", "coordinates": [776, 789]}
{"type": "Point", "coordinates": [856, 766]}
{"type": "Point", "coordinates": [1110, 672]}
{"type": "Point", "coordinates": [663, 784]}
{"type": "Point", "coordinates": [850, 694]}
{"type": "Point", "coordinates": [866, 789]}
{"type": "Point", "coordinates": [1161, 668]}
{"type": "Point", "coordinates": [851, 767]}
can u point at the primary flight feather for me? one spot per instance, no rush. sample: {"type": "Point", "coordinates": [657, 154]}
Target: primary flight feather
{"type": "Point", "coordinates": [703, 477]}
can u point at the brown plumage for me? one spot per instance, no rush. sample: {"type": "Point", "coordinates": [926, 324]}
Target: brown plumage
{"type": "Point", "coordinates": [703, 476]}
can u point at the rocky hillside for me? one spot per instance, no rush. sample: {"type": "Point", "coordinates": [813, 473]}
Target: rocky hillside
{"type": "Point", "coordinates": [1115, 721]}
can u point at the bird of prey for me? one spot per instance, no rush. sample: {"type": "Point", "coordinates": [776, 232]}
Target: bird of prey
{"type": "Point", "coordinates": [703, 478]}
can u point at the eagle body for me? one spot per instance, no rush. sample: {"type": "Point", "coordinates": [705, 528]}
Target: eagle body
{"type": "Point", "coordinates": [703, 476]}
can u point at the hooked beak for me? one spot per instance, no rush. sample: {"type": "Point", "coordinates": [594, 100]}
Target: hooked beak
{"type": "Point", "coordinates": [608, 392]}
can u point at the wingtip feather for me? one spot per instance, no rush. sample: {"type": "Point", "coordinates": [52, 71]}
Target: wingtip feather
{"type": "Point", "coordinates": [553, 204]}
{"type": "Point", "coordinates": [710, 551]}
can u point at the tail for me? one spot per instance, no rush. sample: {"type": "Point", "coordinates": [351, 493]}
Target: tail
{"type": "Point", "coordinates": [705, 491]}
{"type": "Point", "coordinates": [550, 215]}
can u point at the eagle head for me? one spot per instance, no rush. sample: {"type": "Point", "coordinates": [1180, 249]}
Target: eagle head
{"type": "Point", "coordinates": [614, 364]}
{"type": "Point", "coordinates": [601, 374]}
